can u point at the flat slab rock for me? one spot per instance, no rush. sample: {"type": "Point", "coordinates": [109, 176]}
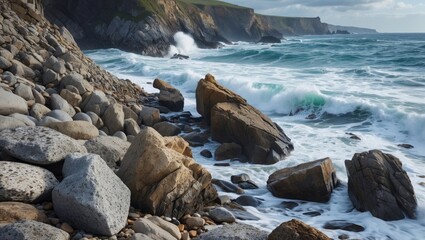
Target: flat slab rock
{"type": "Point", "coordinates": [38, 145]}
{"type": "Point", "coordinates": [234, 231]}
{"type": "Point", "coordinates": [32, 230]}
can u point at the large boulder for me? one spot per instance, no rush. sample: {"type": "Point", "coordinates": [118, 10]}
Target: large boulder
{"type": "Point", "coordinates": [237, 231]}
{"type": "Point", "coordinates": [91, 197]}
{"type": "Point", "coordinates": [149, 116]}
{"type": "Point", "coordinates": [76, 129]}
{"type": "Point", "coordinates": [11, 103]}
{"type": "Point", "coordinates": [296, 230]}
{"type": "Point", "coordinates": [169, 96]}
{"type": "Point", "coordinates": [11, 212]}
{"type": "Point", "coordinates": [32, 230]}
{"type": "Point", "coordinates": [110, 149]}
{"type": "Point", "coordinates": [163, 181]}
{"type": "Point", "coordinates": [25, 183]}
{"type": "Point", "coordinates": [377, 183]}
{"type": "Point", "coordinates": [113, 118]}
{"type": "Point", "coordinates": [232, 119]}
{"type": "Point", "coordinates": [312, 181]}
{"type": "Point", "coordinates": [38, 145]}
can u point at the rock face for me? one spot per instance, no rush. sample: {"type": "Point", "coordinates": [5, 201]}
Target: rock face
{"type": "Point", "coordinates": [46, 145]}
{"type": "Point", "coordinates": [377, 183]}
{"type": "Point", "coordinates": [237, 231]}
{"type": "Point", "coordinates": [25, 183]}
{"type": "Point", "coordinates": [233, 120]}
{"type": "Point", "coordinates": [91, 197]}
{"type": "Point", "coordinates": [296, 230]}
{"type": "Point", "coordinates": [312, 181]}
{"type": "Point", "coordinates": [163, 181]}
{"type": "Point", "coordinates": [32, 230]}
{"type": "Point", "coordinates": [16, 211]}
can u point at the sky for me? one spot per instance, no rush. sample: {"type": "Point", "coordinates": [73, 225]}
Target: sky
{"type": "Point", "coordinates": [382, 15]}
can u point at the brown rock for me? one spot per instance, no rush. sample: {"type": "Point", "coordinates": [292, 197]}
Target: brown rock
{"type": "Point", "coordinates": [67, 228]}
{"type": "Point", "coordinates": [312, 181]}
{"type": "Point", "coordinates": [161, 84]}
{"type": "Point", "coordinates": [178, 144]}
{"type": "Point", "coordinates": [16, 211]}
{"type": "Point", "coordinates": [296, 230]}
{"type": "Point", "coordinates": [76, 129]}
{"type": "Point", "coordinates": [228, 151]}
{"type": "Point", "coordinates": [378, 183]}
{"type": "Point", "coordinates": [163, 181]}
{"type": "Point", "coordinates": [72, 98]}
{"type": "Point", "coordinates": [167, 129]}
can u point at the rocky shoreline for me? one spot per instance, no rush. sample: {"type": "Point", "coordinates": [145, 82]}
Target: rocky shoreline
{"type": "Point", "coordinates": [85, 155]}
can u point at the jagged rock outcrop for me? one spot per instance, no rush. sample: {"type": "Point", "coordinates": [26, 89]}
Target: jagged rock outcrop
{"type": "Point", "coordinates": [312, 181]}
{"type": "Point", "coordinates": [377, 183]}
{"type": "Point", "coordinates": [232, 119]}
{"type": "Point", "coordinates": [163, 181]}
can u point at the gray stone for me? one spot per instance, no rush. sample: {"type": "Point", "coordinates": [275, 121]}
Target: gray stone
{"type": "Point", "coordinates": [38, 111]}
{"type": "Point", "coordinates": [46, 145]}
{"type": "Point", "coordinates": [21, 70]}
{"type": "Point", "coordinates": [141, 236]}
{"type": "Point", "coordinates": [104, 212]}
{"type": "Point", "coordinates": [82, 117]}
{"type": "Point", "coordinates": [77, 81]}
{"type": "Point", "coordinates": [113, 118]}
{"type": "Point", "coordinates": [28, 120]}
{"type": "Point", "coordinates": [58, 102]}
{"type": "Point", "coordinates": [25, 183]}
{"type": "Point", "coordinates": [59, 115]}
{"type": "Point", "coordinates": [121, 135]}
{"type": "Point", "coordinates": [9, 78]}
{"type": "Point", "coordinates": [72, 98]}
{"type": "Point", "coordinates": [246, 200]}
{"type": "Point", "coordinates": [6, 54]}
{"type": "Point", "coordinates": [220, 215]}
{"type": "Point", "coordinates": [235, 231]}
{"type": "Point", "coordinates": [150, 229]}
{"type": "Point", "coordinates": [167, 129]}
{"type": "Point", "coordinates": [95, 119]}
{"type": "Point", "coordinates": [130, 114]}
{"type": "Point", "coordinates": [10, 123]}
{"type": "Point", "coordinates": [38, 97]}
{"type": "Point", "coordinates": [50, 76]}
{"type": "Point", "coordinates": [149, 116]}
{"type": "Point", "coordinates": [24, 91]}
{"type": "Point", "coordinates": [11, 103]}
{"type": "Point", "coordinates": [131, 127]}
{"type": "Point", "coordinates": [110, 149]}
{"type": "Point", "coordinates": [96, 98]}
{"type": "Point", "coordinates": [4, 63]}
{"type": "Point", "coordinates": [46, 120]}
{"type": "Point", "coordinates": [167, 226]}
{"type": "Point", "coordinates": [26, 230]}
{"type": "Point", "coordinates": [59, 67]}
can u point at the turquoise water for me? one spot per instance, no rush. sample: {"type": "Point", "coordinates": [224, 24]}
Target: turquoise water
{"type": "Point", "coordinates": [317, 88]}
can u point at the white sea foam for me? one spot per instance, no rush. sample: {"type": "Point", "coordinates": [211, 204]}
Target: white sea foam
{"type": "Point", "coordinates": [185, 44]}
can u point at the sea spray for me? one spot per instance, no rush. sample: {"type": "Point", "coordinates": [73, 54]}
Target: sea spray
{"type": "Point", "coordinates": [184, 44]}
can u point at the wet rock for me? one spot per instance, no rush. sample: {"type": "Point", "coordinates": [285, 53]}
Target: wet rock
{"type": "Point", "coordinates": [353, 136]}
{"type": "Point", "coordinates": [343, 225]}
{"type": "Point", "coordinates": [105, 212]}
{"type": "Point", "coordinates": [110, 149]}
{"type": "Point", "coordinates": [227, 186]}
{"type": "Point", "coordinates": [228, 151]}
{"type": "Point", "coordinates": [289, 205]}
{"type": "Point", "coordinates": [11, 212]}
{"type": "Point", "coordinates": [313, 213]}
{"type": "Point", "coordinates": [406, 145]}
{"type": "Point", "coordinates": [197, 138]}
{"type": "Point", "coordinates": [234, 231]}
{"type": "Point", "coordinates": [206, 153]}
{"type": "Point", "coordinates": [163, 181]}
{"type": "Point", "coordinates": [243, 177]}
{"type": "Point", "coordinates": [11, 103]}
{"type": "Point", "coordinates": [167, 129]}
{"type": "Point", "coordinates": [296, 230]}
{"type": "Point", "coordinates": [46, 145]}
{"type": "Point", "coordinates": [246, 200]}
{"type": "Point", "coordinates": [312, 181]}
{"type": "Point", "coordinates": [248, 185]}
{"type": "Point", "coordinates": [32, 230]}
{"type": "Point", "coordinates": [222, 164]}
{"type": "Point", "coordinates": [378, 183]}
{"type": "Point", "coordinates": [76, 129]}
{"type": "Point", "coordinates": [221, 215]}
{"type": "Point", "coordinates": [25, 183]}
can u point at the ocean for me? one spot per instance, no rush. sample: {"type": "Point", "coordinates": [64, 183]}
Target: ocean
{"type": "Point", "coordinates": [318, 89]}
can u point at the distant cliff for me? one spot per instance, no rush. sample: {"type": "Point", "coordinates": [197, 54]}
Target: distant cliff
{"type": "Point", "coordinates": [147, 26]}
{"type": "Point", "coordinates": [353, 30]}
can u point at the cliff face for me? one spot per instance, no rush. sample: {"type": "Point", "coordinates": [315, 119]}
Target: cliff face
{"type": "Point", "coordinates": [353, 30]}
{"type": "Point", "coordinates": [293, 25]}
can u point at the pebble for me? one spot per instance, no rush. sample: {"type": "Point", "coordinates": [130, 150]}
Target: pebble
{"type": "Point", "coordinates": [193, 233]}
{"type": "Point", "coordinates": [194, 222]}
{"type": "Point", "coordinates": [67, 228]}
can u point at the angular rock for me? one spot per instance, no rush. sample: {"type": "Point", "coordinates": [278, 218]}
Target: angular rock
{"type": "Point", "coordinates": [76, 129]}
{"type": "Point", "coordinates": [178, 144]}
{"type": "Point", "coordinates": [11, 212]}
{"type": "Point", "coordinates": [11, 103]}
{"type": "Point", "coordinates": [10, 123]}
{"type": "Point", "coordinates": [377, 183]}
{"type": "Point", "coordinates": [32, 230]}
{"type": "Point", "coordinates": [167, 129]}
{"type": "Point", "coordinates": [50, 76]}
{"type": "Point", "coordinates": [72, 98]}
{"type": "Point", "coordinates": [237, 231]}
{"type": "Point", "coordinates": [113, 118]}
{"type": "Point", "coordinates": [110, 149]}
{"type": "Point", "coordinates": [312, 181]}
{"type": "Point", "coordinates": [221, 215]}
{"type": "Point", "coordinates": [46, 145]}
{"type": "Point", "coordinates": [149, 116]}
{"type": "Point", "coordinates": [163, 181]}
{"type": "Point", "coordinates": [38, 97]}
{"type": "Point", "coordinates": [25, 183]}
{"type": "Point", "coordinates": [151, 230]}
{"type": "Point", "coordinates": [91, 197]}
{"type": "Point", "coordinates": [233, 120]}
{"type": "Point", "coordinates": [296, 230]}
{"type": "Point", "coordinates": [228, 151]}
{"type": "Point", "coordinates": [167, 226]}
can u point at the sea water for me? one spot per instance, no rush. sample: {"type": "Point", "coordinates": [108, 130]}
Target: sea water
{"type": "Point", "coordinates": [317, 88]}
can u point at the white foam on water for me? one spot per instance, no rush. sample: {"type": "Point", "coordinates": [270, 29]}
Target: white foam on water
{"type": "Point", "coordinates": [185, 45]}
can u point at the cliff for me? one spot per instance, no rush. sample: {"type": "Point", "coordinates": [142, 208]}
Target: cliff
{"type": "Point", "coordinates": [147, 27]}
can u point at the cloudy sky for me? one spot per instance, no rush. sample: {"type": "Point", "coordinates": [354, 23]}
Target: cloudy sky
{"type": "Point", "coordinates": [382, 15]}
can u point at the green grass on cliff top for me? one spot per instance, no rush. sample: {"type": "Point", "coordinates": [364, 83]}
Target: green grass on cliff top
{"type": "Point", "coordinates": [211, 3]}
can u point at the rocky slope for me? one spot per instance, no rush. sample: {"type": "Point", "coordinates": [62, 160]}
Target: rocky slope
{"type": "Point", "coordinates": [147, 27]}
